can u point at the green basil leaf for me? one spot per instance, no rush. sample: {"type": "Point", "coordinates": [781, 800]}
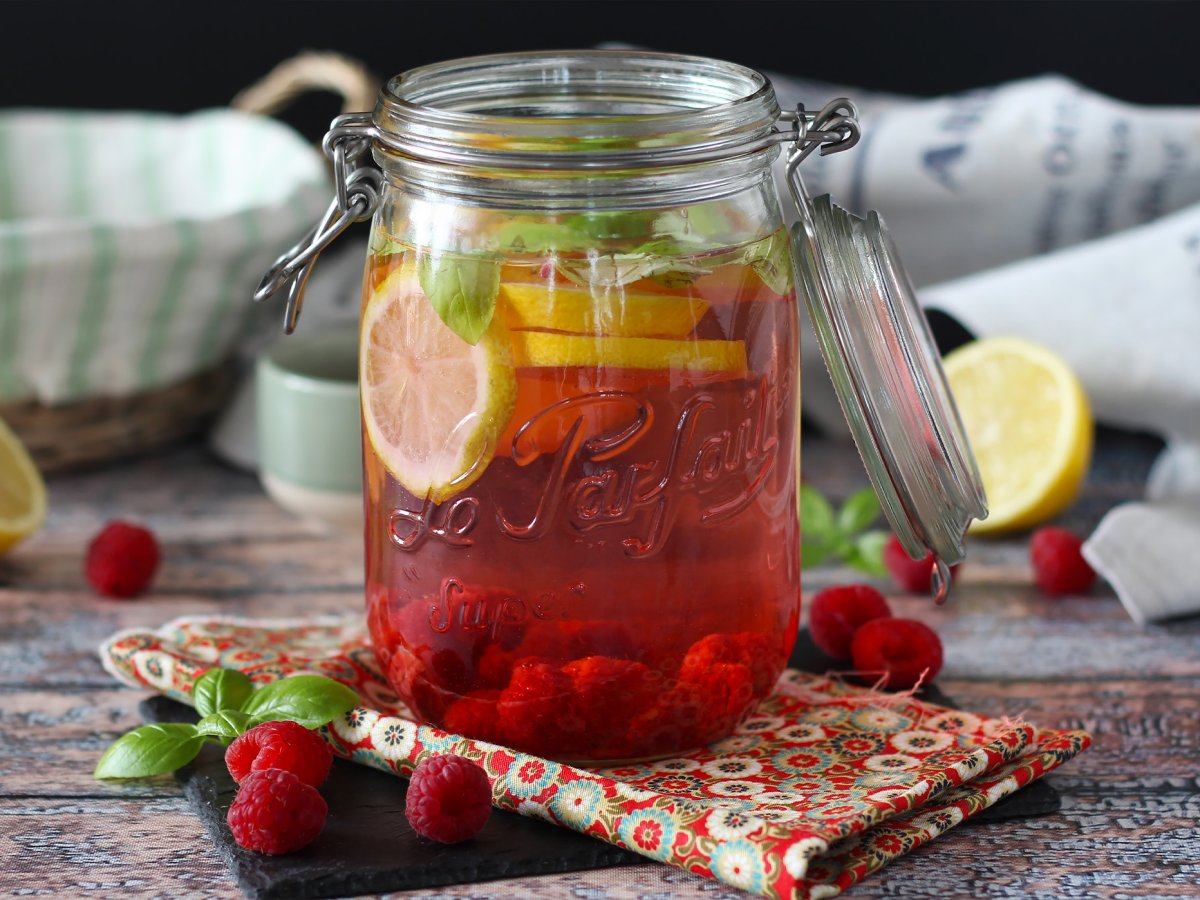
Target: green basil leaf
{"type": "Point", "coordinates": [812, 553]}
{"type": "Point", "coordinates": [385, 246]}
{"type": "Point", "coordinates": [867, 555]}
{"type": "Point", "coordinates": [220, 689]}
{"type": "Point", "coordinates": [311, 700]}
{"type": "Point", "coordinates": [772, 261]}
{"type": "Point", "coordinates": [150, 750]}
{"type": "Point", "coordinates": [859, 511]}
{"type": "Point", "coordinates": [612, 225]}
{"type": "Point", "coordinates": [224, 725]}
{"type": "Point", "coordinates": [462, 290]}
{"type": "Point", "coordinates": [816, 515]}
{"type": "Point", "coordinates": [538, 237]}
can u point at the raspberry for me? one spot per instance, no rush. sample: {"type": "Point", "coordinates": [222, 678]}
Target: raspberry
{"type": "Point", "coordinates": [727, 689]}
{"type": "Point", "coordinates": [280, 745]}
{"type": "Point", "coordinates": [534, 710]}
{"type": "Point", "coordinates": [275, 812]}
{"type": "Point", "coordinates": [1058, 564]}
{"type": "Point", "coordinates": [744, 649]}
{"type": "Point", "coordinates": [449, 799]}
{"type": "Point", "coordinates": [836, 613]}
{"type": "Point", "coordinates": [474, 716]}
{"type": "Point", "coordinates": [910, 574]}
{"type": "Point", "coordinates": [121, 560]}
{"type": "Point", "coordinates": [903, 651]}
{"type": "Point", "coordinates": [608, 692]}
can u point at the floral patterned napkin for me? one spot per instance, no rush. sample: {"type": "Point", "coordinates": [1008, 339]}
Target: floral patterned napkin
{"type": "Point", "coordinates": [822, 786]}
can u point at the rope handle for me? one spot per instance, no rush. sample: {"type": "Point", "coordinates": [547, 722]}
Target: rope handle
{"type": "Point", "coordinates": [308, 71]}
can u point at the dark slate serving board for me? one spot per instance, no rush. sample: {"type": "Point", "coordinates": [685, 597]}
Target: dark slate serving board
{"type": "Point", "coordinates": [367, 846]}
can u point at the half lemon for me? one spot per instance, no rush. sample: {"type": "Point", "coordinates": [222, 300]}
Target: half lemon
{"type": "Point", "coordinates": [22, 491]}
{"type": "Point", "coordinates": [433, 405]}
{"type": "Point", "coordinates": [580, 311]}
{"type": "Point", "coordinates": [1029, 422]}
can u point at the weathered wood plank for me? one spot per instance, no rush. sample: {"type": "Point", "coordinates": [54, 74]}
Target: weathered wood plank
{"type": "Point", "coordinates": [108, 848]}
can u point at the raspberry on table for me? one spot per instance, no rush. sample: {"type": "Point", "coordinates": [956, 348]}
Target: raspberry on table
{"type": "Point", "coordinates": [1058, 564]}
{"type": "Point", "coordinates": [275, 812]}
{"type": "Point", "coordinates": [449, 799]}
{"type": "Point", "coordinates": [280, 745]}
{"type": "Point", "coordinates": [121, 560]}
{"type": "Point", "coordinates": [836, 613]}
{"type": "Point", "coordinates": [910, 574]}
{"type": "Point", "coordinates": [901, 652]}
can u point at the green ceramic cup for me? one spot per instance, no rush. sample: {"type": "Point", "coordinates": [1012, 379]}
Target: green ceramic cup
{"type": "Point", "coordinates": [309, 432]}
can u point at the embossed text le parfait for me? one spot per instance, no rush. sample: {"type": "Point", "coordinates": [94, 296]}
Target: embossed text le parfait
{"type": "Point", "coordinates": [579, 376]}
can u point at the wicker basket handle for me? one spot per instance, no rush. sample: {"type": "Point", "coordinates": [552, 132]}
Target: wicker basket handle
{"type": "Point", "coordinates": [310, 71]}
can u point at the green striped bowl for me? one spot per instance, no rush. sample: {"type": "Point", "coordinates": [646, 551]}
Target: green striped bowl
{"type": "Point", "coordinates": [130, 244]}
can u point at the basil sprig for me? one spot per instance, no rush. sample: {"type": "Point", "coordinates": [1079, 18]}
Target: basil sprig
{"type": "Point", "coordinates": [229, 705]}
{"type": "Point", "coordinates": [462, 290]}
{"type": "Point", "coordinates": [843, 533]}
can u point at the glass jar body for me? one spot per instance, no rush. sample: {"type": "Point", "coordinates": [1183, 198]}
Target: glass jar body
{"type": "Point", "coordinates": [581, 411]}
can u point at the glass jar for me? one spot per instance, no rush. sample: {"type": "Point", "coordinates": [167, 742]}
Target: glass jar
{"type": "Point", "coordinates": [579, 377]}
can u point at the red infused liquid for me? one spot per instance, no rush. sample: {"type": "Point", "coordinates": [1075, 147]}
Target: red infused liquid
{"type": "Point", "coordinates": [622, 582]}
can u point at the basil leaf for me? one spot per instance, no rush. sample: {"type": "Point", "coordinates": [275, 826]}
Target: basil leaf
{"type": "Point", "coordinates": [859, 511]}
{"type": "Point", "coordinates": [462, 290]}
{"type": "Point", "coordinates": [772, 261]}
{"type": "Point", "coordinates": [610, 225]}
{"type": "Point", "coordinates": [219, 689]}
{"type": "Point", "coordinates": [311, 700]}
{"type": "Point", "coordinates": [538, 237]}
{"type": "Point", "coordinates": [867, 554]}
{"type": "Point", "coordinates": [816, 515]}
{"type": "Point", "coordinates": [812, 553]}
{"type": "Point", "coordinates": [385, 246]}
{"type": "Point", "coordinates": [224, 725]}
{"type": "Point", "coordinates": [150, 750]}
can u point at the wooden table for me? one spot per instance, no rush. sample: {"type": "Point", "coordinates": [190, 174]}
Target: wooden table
{"type": "Point", "coordinates": [1130, 804]}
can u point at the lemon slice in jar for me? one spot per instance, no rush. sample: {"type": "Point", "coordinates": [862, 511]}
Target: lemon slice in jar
{"type": "Point", "coordinates": [22, 491]}
{"type": "Point", "coordinates": [578, 310]}
{"type": "Point", "coordinates": [433, 405]}
{"type": "Point", "coordinates": [1030, 425]}
{"type": "Point", "coordinates": [539, 349]}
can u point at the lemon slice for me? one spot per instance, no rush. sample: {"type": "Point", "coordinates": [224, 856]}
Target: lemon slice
{"type": "Point", "coordinates": [433, 404]}
{"type": "Point", "coordinates": [539, 349]}
{"type": "Point", "coordinates": [22, 491]}
{"type": "Point", "coordinates": [1030, 425]}
{"type": "Point", "coordinates": [574, 309]}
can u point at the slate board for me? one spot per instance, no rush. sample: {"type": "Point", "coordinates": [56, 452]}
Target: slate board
{"type": "Point", "coordinates": [367, 846]}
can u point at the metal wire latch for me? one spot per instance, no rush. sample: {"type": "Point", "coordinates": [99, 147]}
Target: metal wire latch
{"type": "Point", "coordinates": [358, 189]}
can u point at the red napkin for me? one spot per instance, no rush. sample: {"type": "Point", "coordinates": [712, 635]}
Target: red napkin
{"type": "Point", "coordinates": [823, 785]}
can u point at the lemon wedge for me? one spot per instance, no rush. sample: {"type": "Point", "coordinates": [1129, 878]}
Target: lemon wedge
{"type": "Point", "coordinates": [22, 491]}
{"type": "Point", "coordinates": [1030, 425]}
{"type": "Point", "coordinates": [539, 349]}
{"type": "Point", "coordinates": [577, 310]}
{"type": "Point", "coordinates": [433, 405]}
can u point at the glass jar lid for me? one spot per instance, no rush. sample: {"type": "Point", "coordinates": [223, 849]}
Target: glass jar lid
{"type": "Point", "coordinates": [888, 377]}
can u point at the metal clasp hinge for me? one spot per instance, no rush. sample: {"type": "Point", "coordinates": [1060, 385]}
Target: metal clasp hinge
{"type": "Point", "coordinates": [832, 129]}
{"type": "Point", "coordinates": [358, 187]}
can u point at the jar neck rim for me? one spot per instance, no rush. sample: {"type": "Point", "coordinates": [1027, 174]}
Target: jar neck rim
{"type": "Point", "coordinates": [578, 110]}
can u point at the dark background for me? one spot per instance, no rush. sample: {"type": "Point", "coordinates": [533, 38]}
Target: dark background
{"type": "Point", "coordinates": [178, 56]}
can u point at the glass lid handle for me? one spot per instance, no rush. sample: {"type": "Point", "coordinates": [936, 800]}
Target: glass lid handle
{"type": "Point", "coordinates": [881, 358]}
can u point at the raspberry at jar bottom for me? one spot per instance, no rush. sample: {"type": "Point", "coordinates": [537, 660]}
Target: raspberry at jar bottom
{"type": "Point", "coordinates": [583, 543]}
